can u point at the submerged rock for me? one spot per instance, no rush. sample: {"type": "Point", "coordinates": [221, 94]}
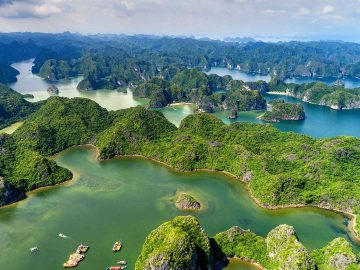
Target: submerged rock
{"type": "Point", "coordinates": [186, 202]}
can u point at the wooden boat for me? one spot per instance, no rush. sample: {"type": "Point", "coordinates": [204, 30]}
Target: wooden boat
{"type": "Point", "coordinates": [73, 260]}
{"type": "Point", "coordinates": [116, 267]}
{"type": "Point", "coordinates": [122, 262]}
{"type": "Point", "coordinates": [82, 249]}
{"type": "Point", "coordinates": [117, 246]}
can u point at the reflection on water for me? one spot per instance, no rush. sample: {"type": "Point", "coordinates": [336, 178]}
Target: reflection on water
{"type": "Point", "coordinates": [239, 75]}
{"type": "Point", "coordinates": [29, 83]}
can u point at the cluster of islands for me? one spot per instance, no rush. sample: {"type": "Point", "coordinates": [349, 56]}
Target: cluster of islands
{"type": "Point", "coordinates": [280, 169]}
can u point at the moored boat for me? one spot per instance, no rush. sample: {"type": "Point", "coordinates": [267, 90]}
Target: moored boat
{"type": "Point", "coordinates": [82, 249]}
{"type": "Point", "coordinates": [116, 267]}
{"type": "Point", "coordinates": [73, 260]}
{"type": "Point", "coordinates": [122, 262]}
{"type": "Point", "coordinates": [34, 249]}
{"type": "Point", "coordinates": [117, 246]}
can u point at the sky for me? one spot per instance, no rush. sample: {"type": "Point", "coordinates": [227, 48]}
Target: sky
{"type": "Point", "coordinates": [314, 19]}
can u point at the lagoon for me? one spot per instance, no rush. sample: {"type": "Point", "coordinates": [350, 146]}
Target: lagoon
{"type": "Point", "coordinates": [124, 199]}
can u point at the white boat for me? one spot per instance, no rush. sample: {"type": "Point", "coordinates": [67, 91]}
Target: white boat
{"type": "Point", "coordinates": [34, 249]}
{"type": "Point", "coordinates": [62, 235]}
{"type": "Point", "coordinates": [122, 262]}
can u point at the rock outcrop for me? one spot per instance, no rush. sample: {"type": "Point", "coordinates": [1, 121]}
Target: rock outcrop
{"type": "Point", "coordinates": [233, 115]}
{"type": "Point", "coordinates": [8, 193]}
{"type": "Point", "coordinates": [185, 201]}
{"type": "Point", "coordinates": [53, 90]}
{"type": "Point", "coordinates": [177, 244]}
{"type": "Point", "coordinates": [285, 250]}
{"type": "Point", "coordinates": [282, 111]}
{"type": "Point", "coordinates": [338, 254]}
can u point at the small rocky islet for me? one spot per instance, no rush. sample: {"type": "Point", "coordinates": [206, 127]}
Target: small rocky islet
{"type": "Point", "coordinates": [186, 202]}
{"type": "Point", "coordinates": [53, 90]}
{"type": "Point", "coordinates": [283, 111]}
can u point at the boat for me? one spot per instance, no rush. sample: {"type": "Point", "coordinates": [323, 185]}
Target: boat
{"type": "Point", "coordinates": [116, 267]}
{"type": "Point", "coordinates": [62, 235]}
{"type": "Point", "coordinates": [82, 249]}
{"type": "Point", "coordinates": [122, 262]}
{"type": "Point", "coordinates": [34, 249]}
{"type": "Point", "coordinates": [73, 260]}
{"type": "Point", "coordinates": [117, 246]}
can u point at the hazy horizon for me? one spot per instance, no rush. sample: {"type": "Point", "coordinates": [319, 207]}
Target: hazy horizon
{"type": "Point", "coordinates": [259, 19]}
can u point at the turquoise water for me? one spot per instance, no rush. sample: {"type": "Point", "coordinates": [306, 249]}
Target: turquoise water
{"type": "Point", "coordinates": [250, 77]}
{"type": "Point", "coordinates": [238, 75]}
{"type": "Point", "coordinates": [320, 121]}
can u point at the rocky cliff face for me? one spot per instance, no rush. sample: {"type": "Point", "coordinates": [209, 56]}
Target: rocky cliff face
{"type": "Point", "coordinates": [8, 193]}
{"type": "Point", "coordinates": [285, 250]}
{"type": "Point", "coordinates": [181, 244]}
{"type": "Point", "coordinates": [338, 254]}
{"type": "Point", "coordinates": [281, 110]}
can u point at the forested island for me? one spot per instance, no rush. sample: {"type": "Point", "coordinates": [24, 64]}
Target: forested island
{"type": "Point", "coordinates": [280, 249]}
{"type": "Point", "coordinates": [158, 66]}
{"type": "Point", "coordinates": [281, 110]}
{"type": "Point", "coordinates": [13, 106]}
{"type": "Point", "coordinates": [333, 96]}
{"type": "Point", "coordinates": [281, 169]}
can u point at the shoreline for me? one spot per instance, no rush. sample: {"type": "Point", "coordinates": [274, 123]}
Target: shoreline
{"type": "Point", "coordinates": [300, 99]}
{"type": "Point", "coordinates": [352, 217]}
{"type": "Point", "coordinates": [181, 103]}
{"type": "Point", "coordinates": [253, 263]}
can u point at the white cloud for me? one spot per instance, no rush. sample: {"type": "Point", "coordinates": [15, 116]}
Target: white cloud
{"type": "Point", "coordinates": [129, 5]}
{"type": "Point", "coordinates": [272, 11]}
{"type": "Point", "coordinates": [328, 9]}
{"type": "Point", "coordinates": [303, 11]}
{"type": "Point", "coordinates": [186, 17]}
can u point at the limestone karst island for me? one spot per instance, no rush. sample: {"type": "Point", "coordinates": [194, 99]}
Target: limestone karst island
{"type": "Point", "coordinates": [180, 135]}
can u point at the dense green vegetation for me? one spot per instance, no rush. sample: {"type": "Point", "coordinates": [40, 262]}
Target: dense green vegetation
{"type": "Point", "coordinates": [338, 254]}
{"type": "Point", "coordinates": [184, 201]}
{"type": "Point", "coordinates": [23, 169]}
{"type": "Point", "coordinates": [281, 168]}
{"type": "Point", "coordinates": [13, 106]}
{"type": "Point", "coordinates": [243, 244]}
{"type": "Point", "coordinates": [183, 244]}
{"type": "Point", "coordinates": [13, 51]}
{"type": "Point", "coordinates": [192, 85]}
{"type": "Point", "coordinates": [177, 244]}
{"type": "Point", "coordinates": [129, 61]}
{"type": "Point", "coordinates": [281, 110]}
{"type": "Point", "coordinates": [7, 73]}
{"type": "Point", "coordinates": [334, 96]}
{"type": "Point", "coordinates": [62, 123]}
